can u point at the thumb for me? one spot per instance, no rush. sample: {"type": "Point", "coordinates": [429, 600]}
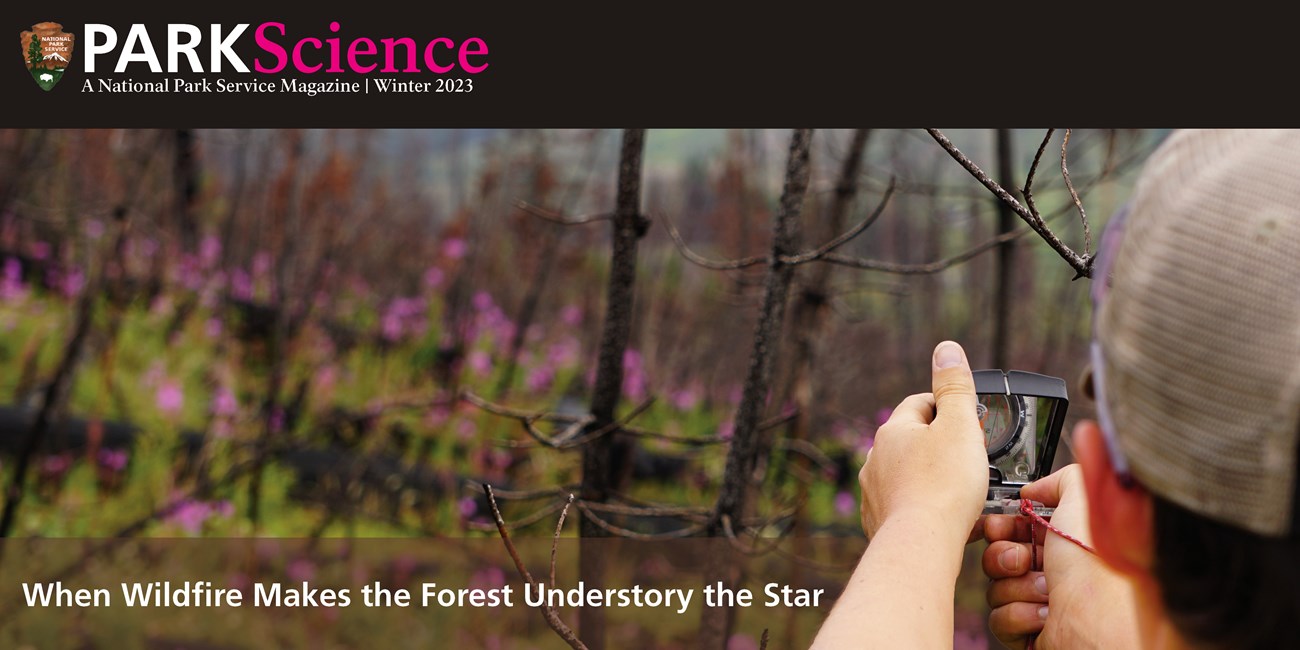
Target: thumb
{"type": "Point", "coordinates": [1051, 488]}
{"type": "Point", "coordinates": [954, 387]}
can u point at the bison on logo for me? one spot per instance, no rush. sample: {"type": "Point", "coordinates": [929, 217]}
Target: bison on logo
{"type": "Point", "coordinates": [47, 49]}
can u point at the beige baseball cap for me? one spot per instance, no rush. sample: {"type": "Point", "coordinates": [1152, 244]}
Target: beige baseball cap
{"type": "Point", "coordinates": [1197, 335]}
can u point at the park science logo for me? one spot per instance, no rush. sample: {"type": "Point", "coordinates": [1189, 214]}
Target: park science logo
{"type": "Point", "coordinates": [47, 50]}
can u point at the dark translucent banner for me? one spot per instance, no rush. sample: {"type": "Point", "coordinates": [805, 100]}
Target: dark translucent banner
{"type": "Point", "coordinates": [466, 593]}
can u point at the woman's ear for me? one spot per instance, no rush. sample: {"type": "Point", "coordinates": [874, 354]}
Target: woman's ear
{"type": "Point", "coordinates": [1119, 517]}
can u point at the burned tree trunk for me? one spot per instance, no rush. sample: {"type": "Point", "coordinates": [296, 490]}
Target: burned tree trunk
{"type": "Point", "coordinates": [186, 179]}
{"type": "Point", "coordinates": [1006, 260]}
{"type": "Point", "coordinates": [812, 303]}
{"type": "Point", "coordinates": [808, 321]}
{"type": "Point", "coordinates": [604, 459]}
{"type": "Point", "coordinates": [742, 458]}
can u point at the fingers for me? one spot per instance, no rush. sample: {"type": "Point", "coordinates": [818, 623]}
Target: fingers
{"type": "Point", "coordinates": [1006, 560]}
{"type": "Point", "coordinates": [1012, 528]}
{"type": "Point", "coordinates": [1028, 588]}
{"type": "Point", "coordinates": [954, 387]}
{"type": "Point", "coordinates": [1008, 527]}
{"type": "Point", "coordinates": [1012, 622]}
{"type": "Point", "coordinates": [915, 409]}
{"type": "Point", "coordinates": [1049, 489]}
{"type": "Point", "coordinates": [977, 531]}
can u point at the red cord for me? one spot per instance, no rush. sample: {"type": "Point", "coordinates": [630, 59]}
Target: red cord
{"type": "Point", "coordinates": [1027, 509]}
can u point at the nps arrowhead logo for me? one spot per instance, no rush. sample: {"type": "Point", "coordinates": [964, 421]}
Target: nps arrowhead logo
{"type": "Point", "coordinates": [47, 49]}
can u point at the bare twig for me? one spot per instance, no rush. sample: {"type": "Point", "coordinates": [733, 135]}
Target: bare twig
{"type": "Point", "coordinates": [753, 549]}
{"type": "Point", "coordinates": [928, 267]}
{"type": "Point", "coordinates": [519, 414]}
{"type": "Point", "coordinates": [1083, 216]}
{"type": "Point", "coordinates": [807, 450]}
{"type": "Point", "coordinates": [1082, 264]}
{"type": "Point", "coordinates": [814, 255]}
{"type": "Point", "coordinates": [762, 642]}
{"type": "Point", "coordinates": [556, 441]}
{"type": "Point", "coordinates": [656, 511]}
{"type": "Point", "coordinates": [1033, 169]}
{"type": "Point", "coordinates": [821, 251]}
{"type": "Point", "coordinates": [699, 260]}
{"type": "Point", "coordinates": [555, 541]}
{"type": "Point", "coordinates": [559, 218]}
{"type": "Point", "coordinates": [521, 495]}
{"type": "Point", "coordinates": [899, 268]}
{"type": "Point", "coordinates": [589, 514]}
{"type": "Point", "coordinates": [552, 618]}
{"type": "Point", "coordinates": [569, 437]}
{"type": "Point", "coordinates": [616, 425]}
{"type": "Point", "coordinates": [525, 521]}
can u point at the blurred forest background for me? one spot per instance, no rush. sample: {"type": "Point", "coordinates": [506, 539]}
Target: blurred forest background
{"type": "Point", "coordinates": [345, 333]}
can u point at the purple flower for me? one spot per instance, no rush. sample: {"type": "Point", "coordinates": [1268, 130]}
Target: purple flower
{"type": "Point", "coordinates": [634, 378]}
{"type": "Point", "coordinates": [161, 306]}
{"type": "Point", "coordinates": [13, 271]}
{"type": "Point", "coordinates": [571, 315]}
{"type": "Point", "coordinates": [882, 416]}
{"type": "Point", "coordinates": [327, 377]}
{"type": "Point", "coordinates": [40, 250]}
{"type": "Point", "coordinates": [564, 353]}
{"type": "Point", "coordinates": [726, 429]}
{"type": "Point", "coordinates": [433, 277]}
{"type": "Point", "coordinates": [276, 421]}
{"type": "Point", "coordinates": [391, 326]}
{"type": "Point", "coordinates": [468, 507]}
{"type": "Point", "coordinates": [437, 416]}
{"type": "Point", "coordinates": [488, 578]}
{"type": "Point", "coordinates": [56, 464]}
{"type": "Point", "coordinates": [113, 460]}
{"type": "Point", "coordinates": [742, 642]}
{"type": "Point", "coordinates": [480, 362]}
{"type": "Point", "coordinates": [188, 272]}
{"type": "Point", "coordinates": [190, 515]}
{"type": "Point", "coordinates": [170, 398]}
{"type": "Point", "coordinates": [969, 631]}
{"type": "Point", "coordinates": [261, 264]}
{"type": "Point", "coordinates": [71, 283]}
{"type": "Point", "coordinates": [11, 280]}
{"type": "Point", "coordinates": [239, 581]}
{"type": "Point", "coordinates": [454, 248]}
{"type": "Point", "coordinates": [687, 399]}
{"type": "Point", "coordinates": [482, 301]}
{"type": "Point", "coordinates": [789, 409]}
{"type": "Point", "coordinates": [539, 379]}
{"type": "Point", "coordinates": [213, 328]}
{"type": "Point", "coordinates": [241, 285]}
{"type": "Point", "coordinates": [224, 404]}
{"type": "Point", "coordinates": [736, 393]}
{"type": "Point", "coordinates": [845, 504]}
{"type": "Point", "coordinates": [864, 445]}
{"type": "Point", "coordinates": [466, 428]}
{"type": "Point", "coordinates": [209, 251]}
{"type": "Point", "coordinates": [300, 570]}
{"type": "Point", "coordinates": [94, 228]}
